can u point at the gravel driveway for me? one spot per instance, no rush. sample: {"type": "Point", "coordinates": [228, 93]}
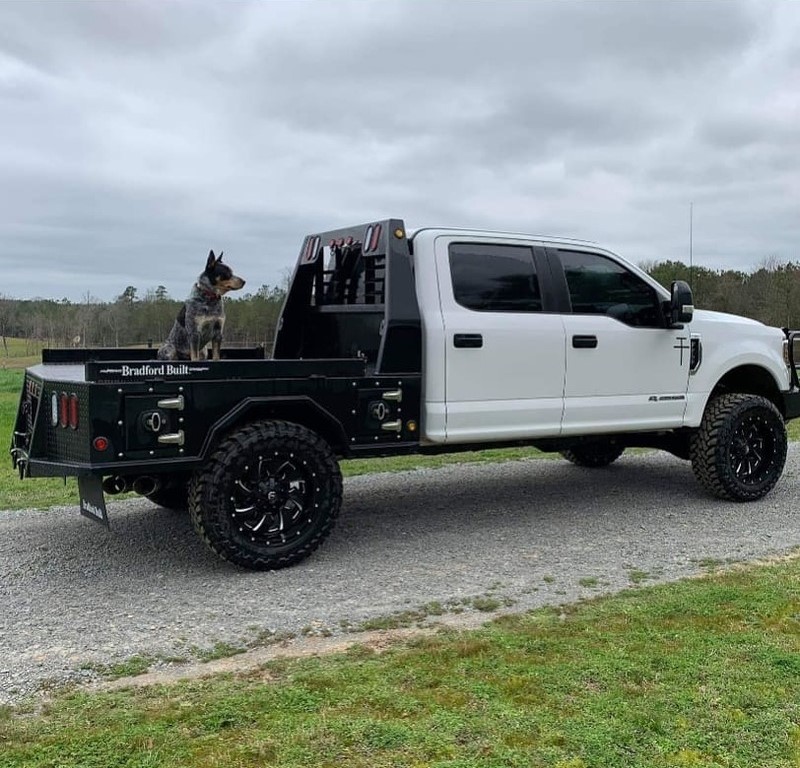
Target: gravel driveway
{"type": "Point", "coordinates": [73, 594]}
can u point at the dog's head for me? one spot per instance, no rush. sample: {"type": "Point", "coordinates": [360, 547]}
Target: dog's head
{"type": "Point", "coordinates": [220, 276]}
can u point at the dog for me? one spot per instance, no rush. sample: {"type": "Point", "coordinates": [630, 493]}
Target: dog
{"type": "Point", "coordinates": [202, 317]}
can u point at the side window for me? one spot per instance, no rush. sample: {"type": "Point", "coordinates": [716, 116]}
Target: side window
{"type": "Point", "coordinates": [494, 278]}
{"type": "Point", "coordinates": [599, 286]}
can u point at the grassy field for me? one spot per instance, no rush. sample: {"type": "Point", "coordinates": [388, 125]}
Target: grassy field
{"type": "Point", "coordinates": [19, 353]}
{"type": "Point", "coordinates": [700, 673]}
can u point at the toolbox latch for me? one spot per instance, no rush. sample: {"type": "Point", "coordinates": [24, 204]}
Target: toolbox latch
{"type": "Point", "coordinates": [171, 438]}
{"type": "Point", "coordinates": [172, 403]}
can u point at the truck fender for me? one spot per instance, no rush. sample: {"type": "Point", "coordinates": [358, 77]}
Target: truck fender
{"type": "Point", "coordinates": [753, 378]}
{"type": "Point", "coordinates": [300, 410]}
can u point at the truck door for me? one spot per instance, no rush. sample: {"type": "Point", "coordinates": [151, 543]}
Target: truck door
{"type": "Point", "coordinates": [504, 351]}
{"type": "Point", "coordinates": [625, 369]}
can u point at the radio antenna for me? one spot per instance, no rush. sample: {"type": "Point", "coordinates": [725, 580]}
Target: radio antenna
{"type": "Point", "coordinates": [691, 244]}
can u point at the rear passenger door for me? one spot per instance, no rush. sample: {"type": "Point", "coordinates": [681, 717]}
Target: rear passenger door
{"type": "Point", "coordinates": [504, 346]}
{"type": "Point", "coordinates": [625, 369]}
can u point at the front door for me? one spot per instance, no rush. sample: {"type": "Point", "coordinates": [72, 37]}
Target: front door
{"type": "Point", "coordinates": [625, 369]}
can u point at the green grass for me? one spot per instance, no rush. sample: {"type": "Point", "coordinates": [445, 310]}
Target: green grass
{"type": "Point", "coordinates": [704, 672]}
{"type": "Point", "coordinates": [19, 353]}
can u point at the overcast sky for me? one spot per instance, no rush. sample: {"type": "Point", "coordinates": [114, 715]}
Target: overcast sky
{"type": "Point", "coordinates": [134, 136]}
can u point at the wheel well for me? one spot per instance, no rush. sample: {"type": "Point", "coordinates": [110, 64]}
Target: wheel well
{"type": "Point", "coordinates": [751, 380]}
{"type": "Point", "coordinates": [297, 412]}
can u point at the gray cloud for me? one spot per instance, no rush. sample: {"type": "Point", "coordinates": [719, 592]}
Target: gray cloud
{"type": "Point", "coordinates": [136, 135]}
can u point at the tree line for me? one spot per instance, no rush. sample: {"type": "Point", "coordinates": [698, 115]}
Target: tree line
{"type": "Point", "coordinates": [770, 293]}
{"type": "Point", "coordinates": [132, 319]}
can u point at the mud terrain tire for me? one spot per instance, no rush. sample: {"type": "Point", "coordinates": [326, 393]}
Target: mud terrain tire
{"type": "Point", "coordinates": [268, 496]}
{"type": "Point", "coordinates": [739, 451]}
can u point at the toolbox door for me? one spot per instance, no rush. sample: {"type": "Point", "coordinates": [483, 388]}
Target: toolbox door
{"type": "Point", "coordinates": [154, 425]}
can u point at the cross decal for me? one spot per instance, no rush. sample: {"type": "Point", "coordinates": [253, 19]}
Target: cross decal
{"type": "Point", "coordinates": [681, 345]}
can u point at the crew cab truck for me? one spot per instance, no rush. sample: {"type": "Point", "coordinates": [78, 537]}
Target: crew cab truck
{"type": "Point", "coordinates": [392, 342]}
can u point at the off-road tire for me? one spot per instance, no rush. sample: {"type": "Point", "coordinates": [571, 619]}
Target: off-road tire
{"type": "Point", "coordinates": [739, 451]}
{"type": "Point", "coordinates": [268, 496]}
{"type": "Point", "coordinates": [173, 494]}
{"type": "Point", "coordinates": [595, 454]}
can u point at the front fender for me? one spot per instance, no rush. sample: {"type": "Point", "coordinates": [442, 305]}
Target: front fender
{"type": "Point", "coordinates": [725, 360]}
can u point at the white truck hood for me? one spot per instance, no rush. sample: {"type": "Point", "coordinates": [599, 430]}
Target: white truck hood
{"type": "Point", "coordinates": [706, 316]}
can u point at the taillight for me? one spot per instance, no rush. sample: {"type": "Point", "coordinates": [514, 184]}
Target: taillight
{"type": "Point", "coordinates": [66, 410]}
{"type": "Point", "coordinates": [73, 411]}
{"type": "Point", "coordinates": [63, 409]}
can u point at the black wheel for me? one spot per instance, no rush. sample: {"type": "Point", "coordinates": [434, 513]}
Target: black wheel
{"type": "Point", "coordinates": [594, 454]}
{"type": "Point", "coordinates": [172, 494]}
{"type": "Point", "coordinates": [268, 496]}
{"type": "Point", "coordinates": [739, 451]}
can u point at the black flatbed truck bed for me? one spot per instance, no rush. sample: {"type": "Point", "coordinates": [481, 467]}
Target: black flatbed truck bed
{"type": "Point", "coordinates": [250, 444]}
{"type": "Point", "coordinates": [211, 397]}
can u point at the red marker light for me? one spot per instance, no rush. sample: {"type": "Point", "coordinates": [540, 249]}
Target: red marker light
{"type": "Point", "coordinates": [74, 408]}
{"type": "Point", "coordinates": [63, 409]}
{"type": "Point", "coordinates": [100, 444]}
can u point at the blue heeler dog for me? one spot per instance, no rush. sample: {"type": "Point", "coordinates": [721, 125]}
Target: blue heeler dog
{"type": "Point", "coordinates": [202, 317]}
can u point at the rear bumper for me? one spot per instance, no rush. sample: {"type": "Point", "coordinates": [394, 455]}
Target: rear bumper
{"type": "Point", "coordinates": [43, 468]}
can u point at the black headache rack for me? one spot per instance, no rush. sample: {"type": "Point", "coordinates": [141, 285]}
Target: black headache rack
{"type": "Point", "coordinates": [352, 296]}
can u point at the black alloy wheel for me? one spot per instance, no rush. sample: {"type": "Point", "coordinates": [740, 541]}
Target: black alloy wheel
{"type": "Point", "coordinates": [273, 499]}
{"type": "Point", "coordinates": [753, 449]}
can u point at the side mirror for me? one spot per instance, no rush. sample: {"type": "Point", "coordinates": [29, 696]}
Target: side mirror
{"type": "Point", "coordinates": [681, 305]}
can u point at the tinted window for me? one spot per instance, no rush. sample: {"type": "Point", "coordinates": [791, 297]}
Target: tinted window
{"type": "Point", "coordinates": [495, 278]}
{"type": "Point", "coordinates": [600, 286]}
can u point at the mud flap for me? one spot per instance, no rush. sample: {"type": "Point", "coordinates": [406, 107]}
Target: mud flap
{"type": "Point", "coordinates": [93, 502]}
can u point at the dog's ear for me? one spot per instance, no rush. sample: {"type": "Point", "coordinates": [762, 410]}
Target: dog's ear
{"type": "Point", "coordinates": [219, 258]}
{"type": "Point", "coordinates": [211, 260]}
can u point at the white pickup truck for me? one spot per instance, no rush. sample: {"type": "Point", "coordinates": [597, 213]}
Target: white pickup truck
{"type": "Point", "coordinates": [416, 342]}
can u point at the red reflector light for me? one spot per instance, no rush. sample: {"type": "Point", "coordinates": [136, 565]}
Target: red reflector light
{"type": "Point", "coordinates": [100, 444]}
{"type": "Point", "coordinates": [73, 411]}
{"type": "Point", "coordinates": [63, 409]}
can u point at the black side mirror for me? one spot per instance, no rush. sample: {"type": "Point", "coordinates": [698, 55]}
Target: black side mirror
{"type": "Point", "coordinates": [681, 305]}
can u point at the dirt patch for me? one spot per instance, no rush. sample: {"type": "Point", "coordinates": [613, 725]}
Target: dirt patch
{"type": "Point", "coordinates": [252, 660]}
